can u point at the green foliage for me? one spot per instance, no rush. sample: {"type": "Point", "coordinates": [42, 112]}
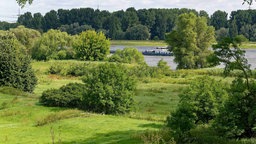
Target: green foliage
{"type": "Point", "coordinates": [221, 33]}
{"type": "Point", "coordinates": [164, 68]}
{"type": "Point", "coordinates": [219, 19]}
{"type": "Point", "coordinates": [237, 117]}
{"type": "Point", "coordinates": [109, 89]}
{"type": "Point", "coordinates": [15, 68]}
{"type": "Point", "coordinates": [91, 45]}
{"type": "Point", "coordinates": [51, 45]}
{"type": "Point", "coordinates": [26, 36]}
{"type": "Point", "coordinates": [190, 41]}
{"type": "Point", "coordinates": [75, 28]}
{"type": "Point", "coordinates": [127, 55]}
{"type": "Point", "coordinates": [199, 103]}
{"type": "Point", "coordinates": [71, 68]}
{"type": "Point", "coordinates": [22, 3]}
{"type": "Point", "coordinates": [69, 95]}
{"type": "Point", "coordinates": [138, 32]}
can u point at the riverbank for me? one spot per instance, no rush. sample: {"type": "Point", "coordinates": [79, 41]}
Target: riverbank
{"type": "Point", "coordinates": [138, 43]}
{"type": "Point", "coordinates": [247, 45]}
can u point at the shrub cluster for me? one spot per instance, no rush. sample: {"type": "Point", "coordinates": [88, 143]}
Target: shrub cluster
{"type": "Point", "coordinates": [107, 88]}
{"type": "Point", "coordinates": [143, 70]}
{"type": "Point", "coordinates": [69, 95]}
{"type": "Point", "coordinates": [127, 55]}
{"type": "Point", "coordinates": [110, 89]}
{"type": "Point", "coordinates": [71, 68]}
{"type": "Point", "coordinates": [199, 103]}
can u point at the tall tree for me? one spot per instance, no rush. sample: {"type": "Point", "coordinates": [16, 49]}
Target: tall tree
{"type": "Point", "coordinates": [26, 19]}
{"type": "Point", "coordinates": [37, 21]}
{"type": "Point", "coordinates": [190, 41]}
{"type": "Point", "coordinates": [159, 29]}
{"type": "Point", "coordinates": [113, 24]}
{"type": "Point", "coordinates": [219, 19]}
{"type": "Point", "coordinates": [130, 18]}
{"type": "Point", "coordinates": [51, 20]}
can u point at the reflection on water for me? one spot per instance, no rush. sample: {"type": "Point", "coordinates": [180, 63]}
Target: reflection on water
{"type": "Point", "coordinates": [153, 60]}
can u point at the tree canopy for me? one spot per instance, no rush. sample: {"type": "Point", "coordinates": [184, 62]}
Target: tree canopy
{"type": "Point", "coordinates": [190, 41]}
{"type": "Point", "coordinates": [91, 45]}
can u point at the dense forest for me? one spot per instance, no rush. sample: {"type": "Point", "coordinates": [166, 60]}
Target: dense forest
{"type": "Point", "coordinates": [135, 24]}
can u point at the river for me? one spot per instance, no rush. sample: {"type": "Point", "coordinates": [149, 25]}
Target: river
{"type": "Point", "coordinates": [153, 60]}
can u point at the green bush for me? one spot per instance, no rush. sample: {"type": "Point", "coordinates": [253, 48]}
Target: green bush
{"type": "Point", "coordinates": [71, 68]}
{"type": "Point", "coordinates": [199, 103]}
{"type": "Point", "coordinates": [69, 95]}
{"type": "Point", "coordinates": [163, 68]}
{"type": "Point", "coordinates": [109, 89]}
{"type": "Point", "coordinates": [90, 45]}
{"type": "Point", "coordinates": [237, 117]}
{"type": "Point", "coordinates": [53, 44]}
{"type": "Point", "coordinates": [127, 55]}
{"type": "Point", "coordinates": [15, 68]}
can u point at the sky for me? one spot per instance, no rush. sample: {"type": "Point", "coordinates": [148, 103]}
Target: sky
{"type": "Point", "coordinates": [9, 9]}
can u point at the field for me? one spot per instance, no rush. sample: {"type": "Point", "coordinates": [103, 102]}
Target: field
{"type": "Point", "coordinates": [23, 120]}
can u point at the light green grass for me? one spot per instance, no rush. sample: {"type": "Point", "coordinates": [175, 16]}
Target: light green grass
{"type": "Point", "coordinates": [138, 43]}
{"type": "Point", "coordinates": [248, 45]}
{"type": "Point", "coordinates": [155, 99]}
{"type": "Point", "coordinates": [18, 125]}
{"type": "Point", "coordinates": [21, 113]}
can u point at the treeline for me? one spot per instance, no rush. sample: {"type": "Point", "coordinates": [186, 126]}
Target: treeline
{"type": "Point", "coordinates": [135, 24]}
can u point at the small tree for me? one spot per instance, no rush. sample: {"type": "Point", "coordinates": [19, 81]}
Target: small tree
{"type": "Point", "coordinates": [109, 90]}
{"type": "Point", "coordinates": [127, 55]}
{"type": "Point", "coordinates": [91, 45]}
{"type": "Point", "coordinates": [15, 68]}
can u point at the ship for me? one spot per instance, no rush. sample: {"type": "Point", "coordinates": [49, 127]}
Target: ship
{"type": "Point", "coordinates": [159, 51]}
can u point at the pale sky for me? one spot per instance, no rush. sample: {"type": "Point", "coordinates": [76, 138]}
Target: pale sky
{"type": "Point", "coordinates": [9, 9]}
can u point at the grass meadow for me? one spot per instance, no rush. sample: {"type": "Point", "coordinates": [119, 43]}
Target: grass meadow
{"type": "Point", "coordinates": [24, 121]}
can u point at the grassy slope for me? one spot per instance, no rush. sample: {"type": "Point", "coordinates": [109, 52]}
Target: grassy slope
{"type": "Point", "coordinates": [21, 112]}
{"type": "Point", "coordinates": [155, 99]}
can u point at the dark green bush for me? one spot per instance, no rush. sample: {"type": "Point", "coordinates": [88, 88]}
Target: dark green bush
{"type": "Point", "coordinates": [55, 69]}
{"type": "Point", "coordinates": [199, 103]}
{"type": "Point", "coordinates": [15, 68]}
{"type": "Point", "coordinates": [69, 95]}
{"type": "Point", "coordinates": [237, 117]}
{"type": "Point", "coordinates": [78, 69]}
{"type": "Point", "coordinates": [110, 89]}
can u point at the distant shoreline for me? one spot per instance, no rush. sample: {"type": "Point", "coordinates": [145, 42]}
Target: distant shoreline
{"type": "Point", "coordinates": [247, 45]}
